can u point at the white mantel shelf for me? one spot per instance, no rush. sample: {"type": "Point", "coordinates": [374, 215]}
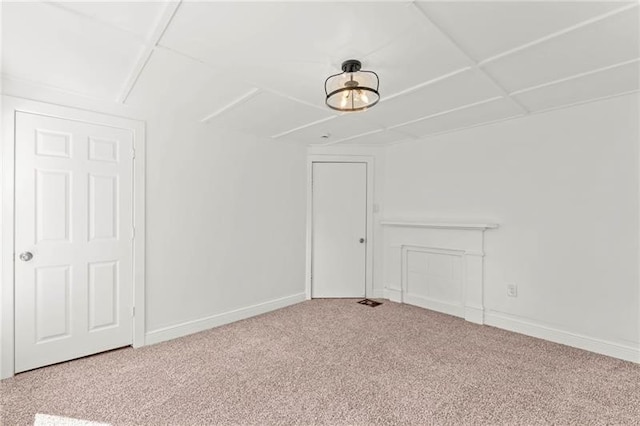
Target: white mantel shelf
{"type": "Point", "coordinates": [439, 225]}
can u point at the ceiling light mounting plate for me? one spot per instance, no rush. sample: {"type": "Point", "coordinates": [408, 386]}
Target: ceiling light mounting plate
{"type": "Point", "coordinates": [351, 65]}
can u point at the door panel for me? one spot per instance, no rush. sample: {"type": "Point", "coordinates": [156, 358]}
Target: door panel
{"type": "Point", "coordinates": [74, 214]}
{"type": "Point", "coordinates": [339, 223]}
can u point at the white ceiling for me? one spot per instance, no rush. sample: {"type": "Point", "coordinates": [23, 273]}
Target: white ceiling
{"type": "Point", "coordinates": [259, 67]}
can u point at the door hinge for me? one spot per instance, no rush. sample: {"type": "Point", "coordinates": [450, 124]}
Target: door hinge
{"type": "Point", "coordinates": [133, 153]}
{"type": "Point", "coordinates": [133, 311]}
{"type": "Point", "coordinates": [133, 232]}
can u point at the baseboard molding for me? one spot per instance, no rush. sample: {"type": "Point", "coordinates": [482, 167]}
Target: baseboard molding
{"type": "Point", "coordinates": [393, 294]}
{"type": "Point", "coordinates": [435, 305]}
{"type": "Point", "coordinates": [529, 328]}
{"type": "Point", "coordinates": [195, 326]}
{"type": "Point", "coordinates": [474, 314]}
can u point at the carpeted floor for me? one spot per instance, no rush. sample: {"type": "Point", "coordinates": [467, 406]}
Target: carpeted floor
{"type": "Point", "coordinates": [336, 362]}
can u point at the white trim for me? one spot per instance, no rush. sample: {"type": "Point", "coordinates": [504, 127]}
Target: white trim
{"type": "Point", "coordinates": [24, 81]}
{"type": "Point", "coordinates": [372, 132]}
{"type": "Point", "coordinates": [556, 34]}
{"type": "Point", "coordinates": [166, 17]}
{"type": "Point", "coordinates": [11, 105]}
{"type": "Point", "coordinates": [379, 294]}
{"type": "Point", "coordinates": [195, 326]}
{"type": "Point", "coordinates": [440, 225]}
{"type": "Point", "coordinates": [304, 126]}
{"type": "Point", "coordinates": [513, 117]}
{"type": "Point", "coordinates": [93, 20]}
{"type": "Point", "coordinates": [574, 77]}
{"type": "Point", "coordinates": [448, 111]}
{"type": "Point", "coordinates": [425, 84]}
{"type": "Point", "coordinates": [435, 305]}
{"type": "Point", "coordinates": [238, 101]}
{"type": "Point", "coordinates": [393, 294]}
{"type": "Point", "coordinates": [627, 352]}
{"type": "Point", "coordinates": [476, 65]}
{"type": "Point", "coordinates": [474, 314]}
{"type": "Point", "coordinates": [455, 309]}
{"type": "Point", "coordinates": [370, 162]}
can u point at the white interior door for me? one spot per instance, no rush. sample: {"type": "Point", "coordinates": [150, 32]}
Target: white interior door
{"type": "Point", "coordinates": [73, 239]}
{"type": "Point", "coordinates": [339, 228]}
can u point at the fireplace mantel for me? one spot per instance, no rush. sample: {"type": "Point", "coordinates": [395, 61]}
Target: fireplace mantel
{"type": "Point", "coordinates": [437, 265]}
{"type": "Point", "coordinates": [438, 225]}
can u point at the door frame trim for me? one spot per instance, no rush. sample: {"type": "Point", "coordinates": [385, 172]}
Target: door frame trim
{"type": "Point", "coordinates": [10, 106]}
{"type": "Point", "coordinates": [370, 162]}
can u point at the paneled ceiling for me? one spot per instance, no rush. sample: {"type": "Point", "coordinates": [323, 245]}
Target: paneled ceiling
{"type": "Point", "coordinates": [259, 67]}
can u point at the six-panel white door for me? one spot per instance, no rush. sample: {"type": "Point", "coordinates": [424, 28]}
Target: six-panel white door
{"type": "Point", "coordinates": [73, 239]}
{"type": "Point", "coordinates": [339, 229]}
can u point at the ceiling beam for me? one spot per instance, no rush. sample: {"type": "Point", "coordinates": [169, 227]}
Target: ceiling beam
{"type": "Point", "coordinates": [161, 27]}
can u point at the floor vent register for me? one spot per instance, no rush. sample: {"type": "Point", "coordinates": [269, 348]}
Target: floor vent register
{"type": "Point", "coordinates": [369, 302]}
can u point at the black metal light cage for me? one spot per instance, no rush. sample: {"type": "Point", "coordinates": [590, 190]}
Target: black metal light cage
{"type": "Point", "coordinates": [352, 89]}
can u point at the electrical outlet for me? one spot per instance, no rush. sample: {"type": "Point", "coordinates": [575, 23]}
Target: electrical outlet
{"type": "Point", "coordinates": [512, 290]}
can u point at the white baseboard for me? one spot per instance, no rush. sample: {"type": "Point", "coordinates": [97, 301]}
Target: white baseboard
{"type": "Point", "coordinates": [195, 326]}
{"type": "Point", "coordinates": [435, 305]}
{"type": "Point", "coordinates": [626, 352]}
{"type": "Point", "coordinates": [393, 294]}
{"type": "Point", "coordinates": [474, 314]}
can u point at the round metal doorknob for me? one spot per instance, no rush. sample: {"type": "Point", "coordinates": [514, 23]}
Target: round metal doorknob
{"type": "Point", "coordinates": [361, 240]}
{"type": "Point", "coordinates": [26, 256]}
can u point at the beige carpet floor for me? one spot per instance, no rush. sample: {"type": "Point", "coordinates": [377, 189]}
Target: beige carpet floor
{"type": "Point", "coordinates": [336, 362]}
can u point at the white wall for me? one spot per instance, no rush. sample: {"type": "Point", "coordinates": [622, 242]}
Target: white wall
{"type": "Point", "coordinates": [563, 186]}
{"type": "Point", "coordinates": [225, 218]}
{"type": "Point", "coordinates": [225, 222]}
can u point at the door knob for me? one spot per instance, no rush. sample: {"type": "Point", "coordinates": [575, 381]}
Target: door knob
{"type": "Point", "coordinates": [361, 240]}
{"type": "Point", "coordinates": [26, 256]}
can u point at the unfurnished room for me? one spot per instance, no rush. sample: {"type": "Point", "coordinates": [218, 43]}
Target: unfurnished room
{"type": "Point", "coordinates": [320, 212]}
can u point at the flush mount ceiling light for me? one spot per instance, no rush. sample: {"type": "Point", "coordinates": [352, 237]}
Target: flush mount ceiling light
{"type": "Point", "coordinates": [352, 89]}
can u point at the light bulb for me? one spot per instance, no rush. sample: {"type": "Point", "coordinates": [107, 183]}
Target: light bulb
{"type": "Point", "coordinates": [345, 97]}
{"type": "Point", "coordinates": [364, 97]}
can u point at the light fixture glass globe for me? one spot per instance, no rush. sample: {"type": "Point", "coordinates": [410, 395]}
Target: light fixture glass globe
{"type": "Point", "coordinates": [353, 89]}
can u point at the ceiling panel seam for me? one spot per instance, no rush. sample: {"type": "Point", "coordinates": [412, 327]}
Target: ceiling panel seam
{"type": "Point", "coordinates": [574, 76]}
{"type": "Point", "coordinates": [38, 84]}
{"type": "Point", "coordinates": [457, 129]}
{"type": "Point", "coordinates": [304, 126]}
{"type": "Point", "coordinates": [161, 27]}
{"type": "Point", "coordinates": [472, 60]}
{"type": "Point", "coordinates": [292, 98]}
{"type": "Point", "coordinates": [500, 120]}
{"type": "Point", "coordinates": [586, 101]}
{"type": "Point", "coordinates": [424, 84]}
{"type": "Point", "coordinates": [449, 111]}
{"type": "Point", "coordinates": [94, 19]}
{"type": "Point", "coordinates": [237, 102]}
{"type": "Point", "coordinates": [248, 82]}
{"type": "Point", "coordinates": [373, 132]}
{"type": "Point", "coordinates": [559, 33]}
